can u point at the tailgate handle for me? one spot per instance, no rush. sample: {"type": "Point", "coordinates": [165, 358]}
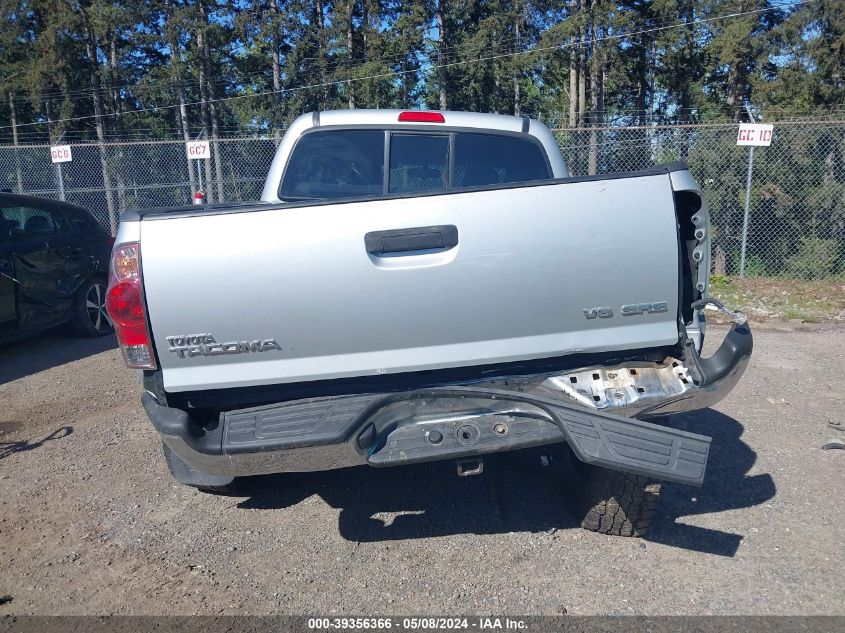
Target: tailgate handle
{"type": "Point", "coordinates": [415, 239]}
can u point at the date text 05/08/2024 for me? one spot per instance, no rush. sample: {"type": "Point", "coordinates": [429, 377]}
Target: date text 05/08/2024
{"type": "Point", "coordinates": [417, 624]}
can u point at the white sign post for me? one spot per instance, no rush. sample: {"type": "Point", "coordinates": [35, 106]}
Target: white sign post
{"type": "Point", "coordinates": [753, 135]}
{"type": "Point", "coordinates": [61, 154]}
{"type": "Point", "coordinates": [197, 149]}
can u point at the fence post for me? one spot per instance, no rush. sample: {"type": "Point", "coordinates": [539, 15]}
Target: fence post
{"type": "Point", "coordinates": [61, 182]}
{"type": "Point", "coordinates": [745, 219]}
{"type": "Point", "coordinates": [15, 142]}
{"type": "Point", "coordinates": [59, 171]}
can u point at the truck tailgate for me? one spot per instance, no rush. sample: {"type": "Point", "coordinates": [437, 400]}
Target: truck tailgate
{"type": "Point", "coordinates": [536, 272]}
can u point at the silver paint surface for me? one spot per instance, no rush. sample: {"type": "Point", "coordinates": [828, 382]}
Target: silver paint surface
{"type": "Point", "coordinates": [514, 288]}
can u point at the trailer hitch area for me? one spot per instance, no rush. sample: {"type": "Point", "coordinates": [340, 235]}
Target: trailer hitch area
{"type": "Point", "coordinates": [515, 419]}
{"type": "Point", "coordinates": [470, 467]}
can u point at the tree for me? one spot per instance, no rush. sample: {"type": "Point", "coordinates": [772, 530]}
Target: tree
{"type": "Point", "coordinates": [733, 53]}
{"type": "Point", "coordinates": [95, 82]}
{"type": "Point", "coordinates": [600, 62]}
{"type": "Point", "coordinates": [406, 46]}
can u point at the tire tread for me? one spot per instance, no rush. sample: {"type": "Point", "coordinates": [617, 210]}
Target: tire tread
{"type": "Point", "coordinates": [621, 504]}
{"type": "Point", "coordinates": [606, 501]}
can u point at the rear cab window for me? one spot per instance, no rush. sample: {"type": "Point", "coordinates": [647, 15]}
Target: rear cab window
{"type": "Point", "coordinates": [345, 163]}
{"type": "Point", "coordinates": [335, 164]}
{"type": "Point", "coordinates": [491, 159]}
{"type": "Point", "coordinates": [418, 162]}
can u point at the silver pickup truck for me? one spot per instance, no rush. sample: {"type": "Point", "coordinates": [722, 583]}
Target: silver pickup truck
{"type": "Point", "coordinates": [420, 286]}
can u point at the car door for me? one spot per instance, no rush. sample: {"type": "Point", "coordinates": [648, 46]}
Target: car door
{"type": "Point", "coordinates": [81, 244]}
{"type": "Point", "coordinates": [84, 244]}
{"type": "Point", "coordinates": [39, 271]}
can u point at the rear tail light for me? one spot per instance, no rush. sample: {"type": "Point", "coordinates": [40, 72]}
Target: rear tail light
{"type": "Point", "coordinates": [125, 305]}
{"type": "Point", "coordinates": [422, 117]}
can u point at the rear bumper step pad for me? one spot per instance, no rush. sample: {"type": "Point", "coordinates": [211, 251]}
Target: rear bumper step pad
{"type": "Point", "coordinates": [603, 439]}
{"type": "Point", "coordinates": [599, 438]}
{"type": "Point", "coordinates": [347, 431]}
{"type": "Point", "coordinates": [635, 446]}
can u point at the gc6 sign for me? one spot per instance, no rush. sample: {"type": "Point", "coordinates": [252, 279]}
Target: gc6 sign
{"type": "Point", "coordinates": [61, 154]}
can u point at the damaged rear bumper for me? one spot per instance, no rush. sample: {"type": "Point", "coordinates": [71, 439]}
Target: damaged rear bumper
{"type": "Point", "coordinates": [597, 411]}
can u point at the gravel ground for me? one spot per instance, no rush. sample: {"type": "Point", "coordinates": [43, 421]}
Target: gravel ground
{"type": "Point", "coordinates": [91, 522]}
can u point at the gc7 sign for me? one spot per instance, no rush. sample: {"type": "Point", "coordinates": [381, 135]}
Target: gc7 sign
{"type": "Point", "coordinates": [197, 149]}
{"type": "Point", "coordinates": [757, 134]}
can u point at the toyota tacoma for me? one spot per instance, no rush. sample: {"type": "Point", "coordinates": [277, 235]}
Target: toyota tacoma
{"type": "Point", "coordinates": [419, 286]}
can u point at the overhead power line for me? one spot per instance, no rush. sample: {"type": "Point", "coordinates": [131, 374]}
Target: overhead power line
{"type": "Point", "coordinates": [337, 64]}
{"type": "Point", "coordinates": [387, 74]}
{"type": "Point", "coordinates": [340, 64]}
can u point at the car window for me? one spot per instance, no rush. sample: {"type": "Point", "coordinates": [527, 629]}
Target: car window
{"type": "Point", "coordinates": [489, 159]}
{"type": "Point", "coordinates": [335, 164]}
{"type": "Point", "coordinates": [18, 224]}
{"type": "Point", "coordinates": [61, 223]}
{"type": "Point", "coordinates": [78, 221]}
{"type": "Point", "coordinates": [418, 162]}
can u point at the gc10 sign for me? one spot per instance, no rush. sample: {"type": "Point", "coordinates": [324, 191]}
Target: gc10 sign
{"type": "Point", "coordinates": [61, 154]}
{"type": "Point", "coordinates": [197, 149]}
{"type": "Point", "coordinates": [757, 134]}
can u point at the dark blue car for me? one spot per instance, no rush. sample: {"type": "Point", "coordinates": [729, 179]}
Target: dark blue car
{"type": "Point", "coordinates": [53, 267]}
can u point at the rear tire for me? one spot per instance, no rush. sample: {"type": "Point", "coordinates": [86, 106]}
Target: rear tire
{"type": "Point", "coordinates": [606, 501]}
{"type": "Point", "coordinates": [88, 315]}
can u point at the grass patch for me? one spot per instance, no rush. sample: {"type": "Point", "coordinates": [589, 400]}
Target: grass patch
{"type": "Point", "coordinates": [763, 298]}
{"type": "Point", "coordinates": [804, 317]}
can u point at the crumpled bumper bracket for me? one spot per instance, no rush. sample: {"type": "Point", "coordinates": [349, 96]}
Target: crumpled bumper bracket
{"type": "Point", "coordinates": [599, 438]}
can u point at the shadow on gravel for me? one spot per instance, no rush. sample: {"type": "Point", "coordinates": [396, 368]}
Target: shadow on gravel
{"type": "Point", "coordinates": [46, 350]}
{"type": "Point", "coordinates": [727, 486]}
{"type": "Point", "coordinates": [515, 493]}
{"type": "Point", "coordinates": [10, 448]}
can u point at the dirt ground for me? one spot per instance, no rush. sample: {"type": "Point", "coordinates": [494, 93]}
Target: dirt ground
{"type": "Point", "coordinates": [91, 522]}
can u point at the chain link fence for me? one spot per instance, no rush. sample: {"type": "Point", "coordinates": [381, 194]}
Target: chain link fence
{"type": "Point", "coordinates": [141, 174]}
{"type": "Point", "coordinates": [796, 219]}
